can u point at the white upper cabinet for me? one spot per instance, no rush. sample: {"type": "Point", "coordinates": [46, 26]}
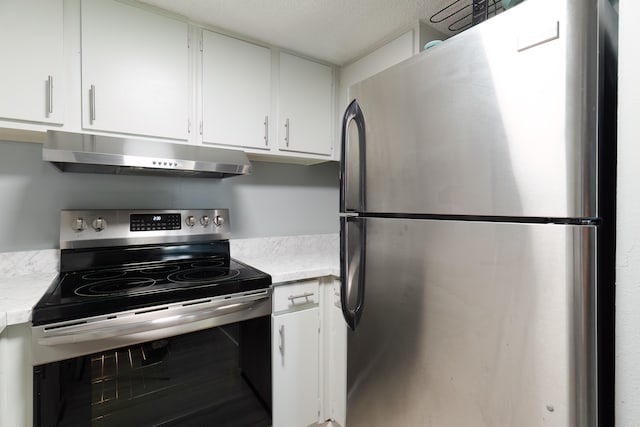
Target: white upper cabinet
{"type": "Point", "coordinates": [305, 106]}
{"type": "Point", "coordinates": [31, 70]}
{"type": "Point", "coordinates": [236, 92]}
{"type": "Point", "coordinates": [135, 71]}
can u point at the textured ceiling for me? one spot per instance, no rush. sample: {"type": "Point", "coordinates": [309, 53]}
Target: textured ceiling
{"type": "Point", "coordinates": [336, 31]}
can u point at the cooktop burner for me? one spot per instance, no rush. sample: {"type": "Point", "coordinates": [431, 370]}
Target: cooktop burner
{"type": "Point", "coordinates": [112, 287]}
{"type": "Point", "coordinates": [202, 275]}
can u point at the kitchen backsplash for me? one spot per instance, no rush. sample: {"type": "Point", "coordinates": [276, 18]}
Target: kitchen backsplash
{"type": "Point", "coordinates": [275, 200]}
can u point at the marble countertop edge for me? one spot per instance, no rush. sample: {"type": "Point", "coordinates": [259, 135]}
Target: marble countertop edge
{"type": "Point", "coordinates": [19, 294]}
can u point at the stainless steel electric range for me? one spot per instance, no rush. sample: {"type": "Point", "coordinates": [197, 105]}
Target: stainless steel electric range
{"type": "Point", "coordinates": [151, 322]}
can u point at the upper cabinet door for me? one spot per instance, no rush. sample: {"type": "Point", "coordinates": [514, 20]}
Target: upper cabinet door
{"type": "Point", "coordinates": [236, 92]}
{"type": "Point", "coordinates": [31, 79]}
{"type": "Point", "coordinates": [305, 105]}
{"type": "Point", "coordinates": [135, 71]}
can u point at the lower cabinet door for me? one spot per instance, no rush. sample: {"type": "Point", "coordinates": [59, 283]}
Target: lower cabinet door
{"type": "Point", "coordinates": [295, 368]}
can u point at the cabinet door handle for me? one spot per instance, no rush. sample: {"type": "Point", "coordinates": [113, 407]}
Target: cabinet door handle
{"type": "Point", "coordinates": [281, 345]}
{"type": "Point", "coordinates": [92, 104]}
{"type": "Point", "coordinates": [286, 132]}
{"type": "Point", "coordinates": [266, 131]}
{"type": "Point", "coordinates": [50, 94]}
{"type": "Point", "coordinates": [306, 296]}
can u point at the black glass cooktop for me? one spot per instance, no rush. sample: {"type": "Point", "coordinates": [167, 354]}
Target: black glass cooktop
{"type": "Point", "coordinates": [80, 294]}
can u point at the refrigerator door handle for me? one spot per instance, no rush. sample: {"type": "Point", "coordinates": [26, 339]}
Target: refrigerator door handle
{"type": "Point", "coordinates": [352, 113]}
{"type": "Point", "coordinates": [352, 268]}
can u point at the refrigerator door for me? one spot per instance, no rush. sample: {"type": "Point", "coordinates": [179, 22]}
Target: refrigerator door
{"type": "Point", "coordinates": [478, 324]}
{"type": "Point", "coordinates": [500, 120]}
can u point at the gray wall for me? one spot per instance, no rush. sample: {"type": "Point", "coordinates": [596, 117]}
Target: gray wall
{"type": "Point", "coordinates": [276, 200]}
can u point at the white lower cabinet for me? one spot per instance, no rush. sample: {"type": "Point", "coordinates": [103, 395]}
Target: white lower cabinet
{"type": "Point", "coordinates": [16, 376]}
{"type": "Point", "coordinates": [334, 359]}
{"type": "Point", "coordinates": [308, 354]}
{"type": "Point", "coordinates": [295, 369]}
{"type": "Point", "coordinates": [295, 355]}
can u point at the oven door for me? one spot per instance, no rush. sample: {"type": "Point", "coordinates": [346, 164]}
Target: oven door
{"type": "Point", "coordinates": [214, 371]}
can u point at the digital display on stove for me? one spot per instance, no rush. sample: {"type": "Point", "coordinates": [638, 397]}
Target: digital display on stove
{"type": "Point", "coordinates": [154, 222]}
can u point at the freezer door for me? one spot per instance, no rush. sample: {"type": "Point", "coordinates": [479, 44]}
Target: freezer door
{"type": "Point", "coordinates": [500, 120]}
{"type": "Point", "coordinates": [472, 324]}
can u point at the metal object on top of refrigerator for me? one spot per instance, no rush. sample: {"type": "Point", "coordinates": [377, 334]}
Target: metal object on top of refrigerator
{"type": "Point", "coordinates": [477, 226]}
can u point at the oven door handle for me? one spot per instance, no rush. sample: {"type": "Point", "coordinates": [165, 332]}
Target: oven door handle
{"type": "Point", "coordinates": [148, 321]}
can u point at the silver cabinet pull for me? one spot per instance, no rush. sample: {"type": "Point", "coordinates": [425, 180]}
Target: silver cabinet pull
{"type": "Point", "coordinates": [305, 295]}
{"type": "Point", "coordinates": [50, 94]}
{"type": "Point", "coordinates": [286, 132]}
{"type": "Point", "coordinates": [281, 345]}
{"type": "Point", "coordinates": [92, 104]}
{"type": "Point", "coordinates": [266, 131]}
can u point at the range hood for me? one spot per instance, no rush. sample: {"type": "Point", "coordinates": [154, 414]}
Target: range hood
{"type": "Point", "coordinates": [76, 152]}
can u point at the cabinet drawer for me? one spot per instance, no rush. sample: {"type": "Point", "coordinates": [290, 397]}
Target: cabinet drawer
{"type": "Point", "coordinates": [295, 295]}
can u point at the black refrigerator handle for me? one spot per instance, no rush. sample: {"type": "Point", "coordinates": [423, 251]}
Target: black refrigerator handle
{"type": "Point", "coordinates": [350, 272]}
{"type": "Point", "coordinates": [352, 113]}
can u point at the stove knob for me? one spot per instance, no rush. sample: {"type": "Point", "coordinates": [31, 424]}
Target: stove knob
{"type": "Point", "coordinates": [190, 221]}
{"type": "Point", "coordinates": [205, 221]}
{"type": "Point", "coordinates": [79, 224]}
{"type": "Point", "coordinates": [99, 224]}
{"type": "Point", "coordinates": [218, 220]}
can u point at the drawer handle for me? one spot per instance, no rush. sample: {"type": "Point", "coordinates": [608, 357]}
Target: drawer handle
{"type": "Point", "coordinates": [50, 94]}
{"type": "Point", "coordinates": [306, 296]}
{"type": "Point", "coordinates": [281, 346]}
{"type": "Point", "coordinates": [92, 104]}
{"type": "Point", "coordinates": [286, 134]}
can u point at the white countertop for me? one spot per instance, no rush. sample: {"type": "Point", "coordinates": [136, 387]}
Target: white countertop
{"type": "Point", "coordinates": [294, 269]}
{"type": "Point", "coordinates": [291, 258]}
{"type": "Point", "coordinates": [19, 294]}
{"type": "Point", "coordinates": [286, 259]}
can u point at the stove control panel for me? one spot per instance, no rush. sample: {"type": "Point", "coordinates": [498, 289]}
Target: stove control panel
{"type": "Point", "coordinates": [152, 222]}
{"type": "Point", "coordinates": [87, 228]}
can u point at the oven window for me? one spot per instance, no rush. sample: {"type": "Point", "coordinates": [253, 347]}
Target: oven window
{"type": "Point", "coordinates": [216, 377]}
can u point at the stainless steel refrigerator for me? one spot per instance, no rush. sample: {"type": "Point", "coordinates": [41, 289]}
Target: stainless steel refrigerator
{"type": "Point", "coordinates": [477, 237]}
